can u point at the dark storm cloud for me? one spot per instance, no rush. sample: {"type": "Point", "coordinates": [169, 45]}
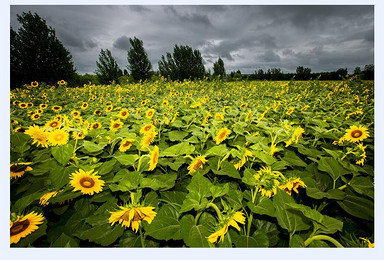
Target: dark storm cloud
{"type": "Point", "coordinates": [122, 43]}
{"type": "Point", "coordinates": [246, 37]}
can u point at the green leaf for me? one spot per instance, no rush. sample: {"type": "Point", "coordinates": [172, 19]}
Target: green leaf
{"type": "Point", "coordinates": [296, 241]}
{"type": "Point", "coordinates": [226, 168]}
{"type": "Point", "coordinates": [174, 197]}
{"type": "Point", "coordinates": [127, 159]}
{"type": "Point", "coordinates": [102, 234]}
{"type": "Point", "coordinates": [264, 206]}
{"type": "Point", "coordinates": [25, 201]}
{"type": "Point", "coordinates": [332, 167]}
{"type": "Point", "coordinates": [62, 153]}
{"type": "Point", "coordinates": [219, 150]}
{"type": "Point", "coordinates": [268, 228]}
{"type": "Point", "coordinates": [92, 147]}
{"type": "Point", "coordinates": [293, 159]}
{"type": "Point", "coordinates": [249, 178]}
{"type": "Point", "coordinates": [363, 185]}
{"type": "Point", "coordinates": [264, 157]}
{"type": "Point", "coordinates": [66, 195]}
{"type": "Point", "coordinates": [235, 199]}
{"type": "Point", "coordinates": [106, 167]}
{"type": "Point", "coordinates": [177, 136]}
{"type": "Point", "coordinates": [60, 176]}
{"type": "Point", "coordinates": [193, 200]}
{"type": "Point", "coordinates": [130, 239]}
{"type": "Point", "coordinates": [288, 220]}
{"type": "Point", "coordinates": [258, 239]}
{"type": "Point", "coordinates": [219, 190]}
{"type": "Point", "coordinates": [358, 207]}
{"type": "Point", "coordinates": [166, 225]}
{"type": "Point", "coordinates": [200, 185]}
{"type": "Point", "coordinates": [151, 199]}
{"type": "Point", "coordinates": [192, 234]}
{"type": "Point", "coordinates": [65, 241]}
{"type": "Point", "coordinates": [159, 181]}
{"type": "Point", "coordinates": [178, 149]}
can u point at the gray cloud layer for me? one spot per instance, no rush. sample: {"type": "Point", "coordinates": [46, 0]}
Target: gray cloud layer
{"type": "Point", "coordinates": [246, 37]}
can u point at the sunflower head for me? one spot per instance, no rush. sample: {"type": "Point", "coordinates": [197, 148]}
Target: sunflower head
{"type": "Point", "coordinates": [23, 226]}
{"type": "Point", "coordinates": [126, 144]}
{"type": "Point", "coordinates": [154, 156]}
{"type": "Point", "coordinates": [292, 184]}
{"type": "Point", "coordinates": [96, 125]}
{"type": "Point", "coordinates": [147, 128]}
{"type": "Point", "coordinates": [197, 164]}
{"type": "Point", "coordinates": [222, 135]}
{"type": "Point", "coordinates": [18, 169]}
{"type": "Point", "coordinates": [123, 114]}
{"type": "Point", "coordinates": [356, 133]}
{"type": "Point", "coordinates": [131, 215]}
{"type": "Point", "coordinates": [58, 137]}
{"type": "Point", "coordinates": [87, 182]}
{"type": "Point", "coordinates": [116, 125]}
{"type": "Point", "coordinates": [38, 135]}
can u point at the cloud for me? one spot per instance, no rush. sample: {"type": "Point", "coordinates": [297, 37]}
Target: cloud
{"type": "Point", "coordinates": [122, 43]}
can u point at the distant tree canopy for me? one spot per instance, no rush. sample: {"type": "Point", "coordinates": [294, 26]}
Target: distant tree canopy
{"type": "Point", "coordinates": [369, 72]}
{"type": "Point", "coordinates": [303, 73]}
{"type": "Point", "coordinates": [36, 54]}
{"type": "Point", "coordinates": [139, 64]}
{"type": "Point", "coordinates": [184, 63]}
{"type": "Point", "coordinates": [107, 68]}
{"type": "Point", "coordinates": [218, 68]}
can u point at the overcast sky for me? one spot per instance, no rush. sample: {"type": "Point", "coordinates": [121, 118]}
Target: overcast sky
{"type": "Point", "coordinates": [247, 38]}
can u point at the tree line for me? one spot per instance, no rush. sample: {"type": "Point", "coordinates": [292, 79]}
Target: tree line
{"type": "Point", "coordinates": [37, 55]}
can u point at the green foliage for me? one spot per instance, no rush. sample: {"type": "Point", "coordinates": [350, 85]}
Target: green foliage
{"type": "Point", "coordinates": [218, 68]}
{"type": "Point", "coordinates": [107, 68]}
{"type": "Point", "coordinates": [139, 64]}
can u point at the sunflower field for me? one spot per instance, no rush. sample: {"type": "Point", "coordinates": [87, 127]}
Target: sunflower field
{"type": "Point", "coordinates": [193, 164]}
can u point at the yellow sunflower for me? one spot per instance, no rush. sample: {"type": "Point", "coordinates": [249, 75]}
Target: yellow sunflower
{"type": "Point", "coordinates": [268, 181]}
{"type": "Point", "coordinates": [86, 181]}
{"type": "Point", "coordinates": [58, 137]}
{"type": "Point", "coordinates": [243, 159]}
{"type": "Point", "coordinates": [97, 112]}
{"type": "Point", "coordinates": [38, 135]}
{"type": "Point", "coordinates": [78, 135]}
{"type": "Point", "coordinates": [44, 199]}
{"type": "Point", "coordinates": [123, 114]}
{"type": "Point", "coordinates": [227, 221]}
{"type": "Point", "coordinates": [126, 144]}
{"type": "Point", "coordinates": [84, 105]}
{"type": "Point", "coordinates": [290, 111]}
{"type": "Point", "coordinates": [131, 216]}
{"type": "Point", "coordinates": [53, 124]}
{"type": "Point", "coordinates": [23, 105]}
{"type": "Point", "coordinates": [149, 113]}
{"type": "Point", "coordinates": [116, 125]}
{"type": "Point", "coordinates": [292, 184]}
{"type": "Point", "coordinates": [356, 133]}
{"type": "Point", "coordinates": [23, 226]}
{"type": "Point", "coordinates": [34, 84]}
{"type": "Point", "coordinates": [75, 113]}
{"type": "Point", "coordinates": [35, 116]}
{"type": "Point", "coordinates": [109, 108]}
{"type": "Point", "coordinates": [18, 169]}
{"type": "Point", "coordinates": [147, 139]}
{"type": "Point", "coordinates": [197, 164]}
{"type": "Point", "coordinates": [43, 106]}
{"type": "Point", "coordinates": [219, 116]}
{"type": "Point", "coordinates": [56, 108]}
{"type": "Point", "coordinates": [154, 156]}
{"type": "Point", "coordinates": [222, 135]}
{"type": "Point", "coordinates": [147, 128]}
{"type": "Point", "coordinates": [96, 125]}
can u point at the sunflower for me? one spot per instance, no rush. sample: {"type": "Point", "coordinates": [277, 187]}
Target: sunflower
{"type": "Point", "coordinates": [126, 144]}
{"type": "Point", "coordinates": [115, 125]}
{"type": "Point", "coordinates": [84, 105]}
{"type": "Point", "coordinates": [222, 135]}
{"type": "Point", "coordinates": [53, 124]}
{"type": "Point", "coordinates": [18, 169]}
{"type": "Point", "coordinates": [132, 215]}
{"type": "Point", "coordinates": [248, 115]}
{"type": "Point", "coordinates": [23, 226]}
{"type": "Point", "coordinates": [149, 113]}
{"type": "Point", "coordinates": [86, 181]}
{"type": "Point", "coordinates": [78, 135]}
{"type": "Point", "coordinates": [58, 137]}
{"type": "Point", "coordinates": [75, 113]}
{"type": "Point", "coordinates": [97, 112]}
{"type": "Point", "coordinates": [108, 108]}
{"type": "Point", "coordinates": [35, 116]}
{"type": "Point", "coordinates": [230, 220]}
{"type": "Point", "coordinates": [147, 128]}
{"type": "Point", "coordinates": [38, 135]}
{"type": "Point", "coordinates": [34, 84]}
{"type": "Point", "coordinates": [30, 105]}
{"type": "Point", "coordinates": [43, 106]}
{"type": "Point", "coordinates": [296, 135]}
{"type": "Point", "coordinates": [44, 199]}
{"type": "Point", "coordinates": [196, 164]}
{"type": "Point", "coordinates": [243, 159]}
{"type": "Point", "coordinates": [56, 108]}
{"type": "Point", "coordinates": [19, 130]}
{"type": "Point", "coordinates": [147, 139]}
{"type": "Point", "coordinates": [219, 116]}
{"type": "Point", "coordinates": [368, 243]}
{"type": "Point", "coordinates": [268, 181]}
{"type": "Point", "coordinates": [154, 156]}
{"type": "Point", "coordinates": [356, 133]}
{"type": "Point", "coordinates": [95, 125]}
{"type": "Point", "coordinates": [292, 184]}
{"type": "Point", "coordinates": [290, 111]}
{"type": "Point", "coordinates": [123, 114]}
{"type": "Point", "coordinates": [23, 105]}
{"type": "Point", "coordinates": [59, 118]}
{"type": "Point", "coordinates": [78, 120]}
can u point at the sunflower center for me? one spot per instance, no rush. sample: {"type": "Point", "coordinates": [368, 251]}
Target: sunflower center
{"type": "Point", "coordinates": [19, 227]}
{"type": "Point", "coordinates": [123, 113]}
{"type": "Point", "coordinates": [197, 165]}
{"type": "Point", "coordinates": [127, 143]}
{"type": "Point", "coordinates": [356, 133]}
{"type": "Point", "coordinates": [87, 182]}
{"type": "Point", "coordinates": [147, 128]}
{"type": "Point", "coordinates": [53, 124]}
{"type": "Point", "coordinates": [116, 125]}
{"type": "Point", "coordinates": [222, 135]}
{"type": "Point", "coordinates": [59, 137]}
{"type": "Point", "coordinates": [95, 126]}
{"type": "Point", "coordinates": [150, 113]}
{"type": "Point", "coordinates": [18, 168]}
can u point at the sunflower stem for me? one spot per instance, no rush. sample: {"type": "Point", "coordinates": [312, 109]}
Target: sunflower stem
{"type": "Point", "coordinates": [141, 237]}
{"type": "Point", "coordinates": [212, 205]}
{"type": "Point", "coordinates": [323, 237]}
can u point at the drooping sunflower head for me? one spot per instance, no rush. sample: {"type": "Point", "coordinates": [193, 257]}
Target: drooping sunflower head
{"type": "Point", "coordinates": [148, 139]}
{"type": "Point", "coordinates": [87, 182]}
{"type": "Point", "coordinates": [222, 135]}
{"type": "Point", "coordinates": [231, 219]}
{"type": "Point", "coordinates": [197, 164]}
{"type": "Point", "coordinates": [154, 156]}
{"type": "Point", "coordinates": [131, 216]}
{"type": "Point", "coordinates": [18, 169]}
{"type": "Point", "coordinates": [268, 181]}
{"type": "Point", "coordinates": [356, 133]}
{"type": "Point", "coordinates": [58, 137]}
{"type": "Point", "coordinates": [147, 128]}
{"type": "Point", "coordinates": [23, 226]}
{"type": "Point", "coordinates": [290, 184]}
{"type": "Point", "coordinates": [126, 144]}
{"type": "Point", "coordinates": [44, 199]}
{"type": "Point", "coordinates": [38, 135]}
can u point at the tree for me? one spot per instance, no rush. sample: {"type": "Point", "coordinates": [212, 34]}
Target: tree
{"type": "Point", "coordinates": [36, 53]}
{"type": "Point", "coordinates": [303, 73]}
{"type": "Point", "coordinates": [139, 64]}
{"type": "Point", "coordinates": [342, 72]}
{"type": "Point", "coordinates": [107, 68]}
{"type": "Point", "coordinates": [369, 72]}
{"type": "Point", "coordinates": [218, 68]}
{"type": "Point", "coordinates": [184, 63]}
